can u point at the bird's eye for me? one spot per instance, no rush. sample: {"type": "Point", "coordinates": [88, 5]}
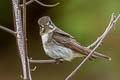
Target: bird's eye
{"type": "Point", "coordinates": [50, 25]}
{"type": "Point", "coordinates": [40, 26]}
{"type": "Point", "coordinates": [50, 22]}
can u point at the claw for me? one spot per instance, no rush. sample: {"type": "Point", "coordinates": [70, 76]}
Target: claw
{"type": "Point", "coordinates": [59, 60]}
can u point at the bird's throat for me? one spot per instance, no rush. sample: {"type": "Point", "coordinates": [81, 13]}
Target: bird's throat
{"type": "Point", "coordinates": [45, 38]}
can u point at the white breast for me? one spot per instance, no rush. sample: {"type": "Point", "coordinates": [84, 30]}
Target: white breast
{"type": "Point", "coordinates": [56, 51]}
{"type": "Point", "coordinates": [44, 38]}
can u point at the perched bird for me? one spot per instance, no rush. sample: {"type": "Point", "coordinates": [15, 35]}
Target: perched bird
{"type": "Point", "coordinates": [60, 45]}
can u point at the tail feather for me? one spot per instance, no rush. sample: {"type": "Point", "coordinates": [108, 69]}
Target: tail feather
{"type": "Point", "coordinates": [101, 55]}
{"type": "Point", "coordinates": [96, 54]}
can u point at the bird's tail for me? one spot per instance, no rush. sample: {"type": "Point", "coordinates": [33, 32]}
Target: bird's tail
{"type": "Point", "coordinates": [101, 55]}
{"type": "Point", "coordinates": [96, 54]}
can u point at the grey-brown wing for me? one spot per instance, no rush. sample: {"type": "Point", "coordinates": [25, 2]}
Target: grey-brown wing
{"type": "Point", "coordinates": [65, 39]}
{"type": "Point", "coordinates": [59, 31]}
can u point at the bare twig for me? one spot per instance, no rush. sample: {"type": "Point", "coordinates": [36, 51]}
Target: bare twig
{"type": "Point", "coordinates": [8, 30]}
{"type": "Point", "coordinates": [24, 18]}
{"type": "Point", "coordinates": [99, 38]}
{"type": "Point", "coordinates": [20, 40]}
{"type": "Point", "coordinates": [46, 5]}
{"type": "Point", "coordinates": [93, 44]}
{"type": "Point", "coordinates": [25, 40]}
{"type": "Point", "coordinates": [28, 3]}
{"type": "Point", "coordinates": [44, 61]}
{"type": "Point", "coordinates": [42, 4]}
{"type": "Point", "coordinates": [110, 26]}
{"type": "Point", "coordinates": [20, 34]}
{"type": "Point", "coordinates": [34, 68]}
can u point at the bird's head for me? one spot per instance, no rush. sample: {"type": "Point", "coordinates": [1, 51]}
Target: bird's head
{"type": "Point", "coordinates": [46, 25]}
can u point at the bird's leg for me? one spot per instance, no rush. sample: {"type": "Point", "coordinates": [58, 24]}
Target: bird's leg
{"type": "Point", "coordinates": [59, 60]}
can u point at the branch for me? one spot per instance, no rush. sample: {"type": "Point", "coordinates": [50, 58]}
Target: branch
{"type": "Point", "coordinates": [99, 38]}
{"type": "Point", "coordinates": [110, 26]}
{"type": "Point", "coordinates": [46, 5]}
{"type": "Point", "coordinates": [27, 3]}
{"type": "Point", "coordinates": [8, 30]}
{"type": "Point", "coordinates": [20, 40]}
{"type": "Point", "coordinates": [44, 61]}
{"type": "Point", "coordinates": [42, 4]}
{"type": "Point", "coordinates": [25, 41]}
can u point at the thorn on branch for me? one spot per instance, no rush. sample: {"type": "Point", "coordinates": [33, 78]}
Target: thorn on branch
{"type": "Point", "coordinates": [35, 67]}
{"type": "Point", "coordinates": [21, 77]}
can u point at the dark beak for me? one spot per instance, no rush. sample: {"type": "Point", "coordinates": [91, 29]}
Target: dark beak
{"type": "Point", "coordinates": [45, 26]}
{"type": "Point", "coordinates": [41, 29]}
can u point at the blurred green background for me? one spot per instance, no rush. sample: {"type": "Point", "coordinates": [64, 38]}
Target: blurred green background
{"type": "Point", "coordinates": [84, 19]}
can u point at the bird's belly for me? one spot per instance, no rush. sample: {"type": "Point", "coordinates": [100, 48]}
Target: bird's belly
{"type": "Point", "coordinates": [56, 52]}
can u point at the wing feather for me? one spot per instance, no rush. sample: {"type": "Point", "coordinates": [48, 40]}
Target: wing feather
{"type": "Point", "coordinates": [65, 39]}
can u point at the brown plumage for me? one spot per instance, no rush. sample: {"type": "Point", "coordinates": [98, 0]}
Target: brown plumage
{"type": "Point", "coordinates": [59, 44]}
{"type": "Point", "coordinates": [65, 39]}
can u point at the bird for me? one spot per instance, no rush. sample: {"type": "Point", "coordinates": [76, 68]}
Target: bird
{"type": "Point", "coordinates": [59, 45]}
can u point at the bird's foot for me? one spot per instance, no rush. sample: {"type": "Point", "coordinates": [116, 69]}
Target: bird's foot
{"type": "Point", "coordinates": [59, 60]}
